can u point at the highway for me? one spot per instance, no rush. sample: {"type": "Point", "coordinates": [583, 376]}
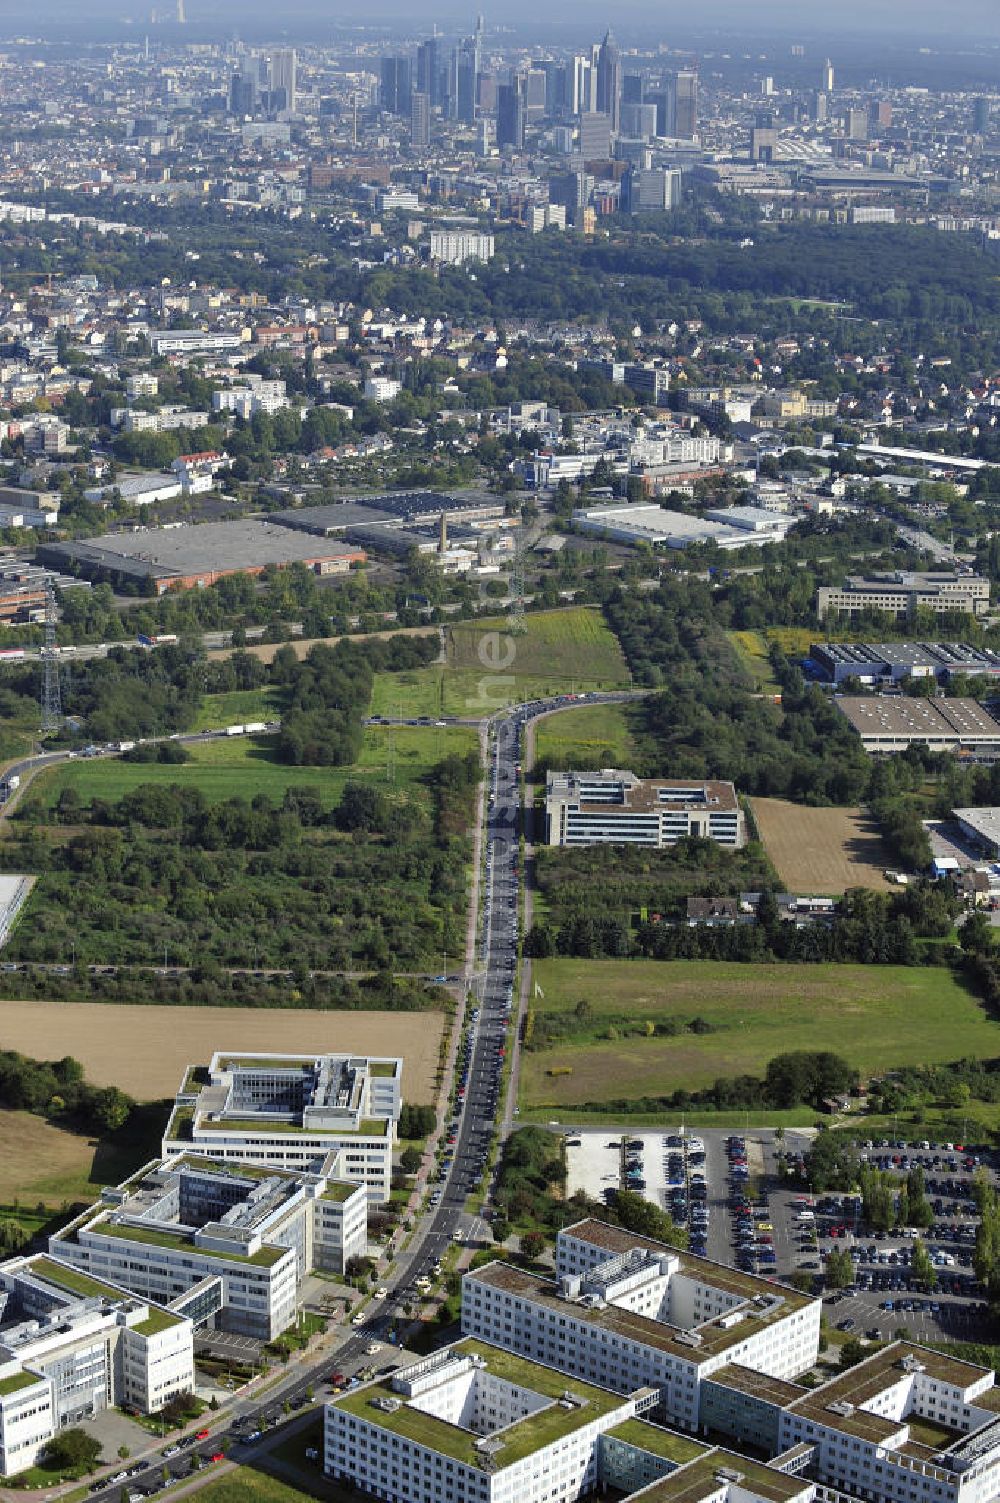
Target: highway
{"type": "Point", "coordinates": [458, 1200]}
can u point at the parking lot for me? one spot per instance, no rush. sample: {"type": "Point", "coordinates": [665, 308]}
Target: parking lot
{"type": "Point", "coordinates": [740, 1208]}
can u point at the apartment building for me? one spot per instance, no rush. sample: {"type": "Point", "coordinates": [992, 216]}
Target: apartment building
{"type": "Point", "coordinates": [617, 808]}
{"type": "Point", "coordinates": [293, 1111]}
{"type": "Point", "coordinates": [903, 592]}
{"type": "Point", "coordinates": [71, 1346]}
{"type": "Point", "coordinates": [228, 1244]}
{"type": "Point", "coordinates": [474, 1424]}
{"type": "Point", "coordinates": [627, 1313]}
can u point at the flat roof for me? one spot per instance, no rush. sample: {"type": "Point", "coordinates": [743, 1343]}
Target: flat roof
{"type": "Point", "coordinates": [703, 1477]}
{"type": "Point", "coordinates": [712, 1337]}
{"type": "Point", "coordinates": [759, 1385]}
{"type": "Point", "coordinates": [265, 1257]}
{"type": "Point", "coordinates": [985, 821]}
{"type": "Point", "coordinates": [518, 1440]}
{"type": "Point", "coordinates": [899, 717]}
{"type": "Point", "coordinates": [951, 655]}
{"type": "Point", "coordinates": [193, 548]}
{"type": "Point", "coordinates": [871, 1377]}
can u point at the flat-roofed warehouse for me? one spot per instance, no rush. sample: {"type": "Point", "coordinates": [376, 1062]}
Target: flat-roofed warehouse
{"type": "Point", "coordinates": [872, 662]}
{"type": "Point", "coordinates": [194, 556]}
{"type": "Point", "coordinates": [392, 508]}
{"type": "Point", "coordinates": [891, 723]}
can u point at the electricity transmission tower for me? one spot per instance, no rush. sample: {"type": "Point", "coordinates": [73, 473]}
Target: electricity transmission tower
{"type": "Point", "coordinates": [51, 691]}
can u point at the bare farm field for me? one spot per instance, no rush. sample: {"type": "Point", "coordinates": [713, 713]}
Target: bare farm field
{"type": "Point", "coordinates": [145, 1050]}
{"type": "Point", "coordinates": [822, 851]}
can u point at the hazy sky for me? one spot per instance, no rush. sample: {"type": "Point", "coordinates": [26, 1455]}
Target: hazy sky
{"type": "Point", "coordinates": [914, 20]}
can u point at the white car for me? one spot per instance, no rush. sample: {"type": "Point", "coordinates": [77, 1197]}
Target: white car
{"type": "Point", "coordinates": [359, 1320]}
{"type": "Point", "coordinates": [373, 1347]}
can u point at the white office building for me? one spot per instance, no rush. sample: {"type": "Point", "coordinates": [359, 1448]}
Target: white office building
{"type": "Point", "coordinates": [628, 1313]}
{"type": "Point", "coordinates": [71, 1346]}
{"type": "Point", "coordinates": [293, 1111]}
{"type": "Point", "coordinates": [230, 1245]}
{"type": "Point", "coordinates": [475, 1424]}
{"type": "Point", "coordinates": [617, 808]}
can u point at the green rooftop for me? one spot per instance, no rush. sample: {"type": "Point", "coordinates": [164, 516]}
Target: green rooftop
{"type": "Point", "coordinates": [339, 1191]}
{"type": "Point", "coordinates": [515, 1442]}
{"type": "Point", "coordinates": [157, 1321]}
{"type": "Point", "coordinates": [669, 1444]}
{"type": "Point", "coordinates": [266, 1257]}
{"type": "Point", "coordinates": [73, 1280]}
{"type": "Point", "coordinates": [18, 1381]}
{"type": "Point", "coordinates": [381, 1068]}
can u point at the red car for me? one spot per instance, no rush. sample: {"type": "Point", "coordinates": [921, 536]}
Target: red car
{"type": "Point", "coordinates": [219, 1456]}
{"type": "Point", "coordinates": [201, 1435]}
{"type": "Point", "coordinates": [337, 1379]}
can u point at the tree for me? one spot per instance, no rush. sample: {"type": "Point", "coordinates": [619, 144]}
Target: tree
{"type": "Point", "coordinates": [532, 1245]}
{"type": "Point", "coordinates": [839, 1269]}
{"type": "Point", "coordinates": [851, 1353]}
{"type": "Point", "coordinates": [410, 1160]}
{"type": "Point", "coordinates": [637, 1214]}
{"type": "Point", "coordinates": [921, 1267]}
{"type": "Point", "coordinates": [976, 934]}
{"type": "Point", "coordinates": [73, 1449]}
{"type": "Point", "coordinates": [112, 1108]}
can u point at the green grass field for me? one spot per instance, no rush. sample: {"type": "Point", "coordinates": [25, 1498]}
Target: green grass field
{"type": "Point", "coordinates": [235, 708]}
{"type": "Point", "coordinates": [876, 1016]}
{"type": "Point", "coordinates": [587, 736]}
{"type": "Point", "coordinates": [243, 766]}
{"type": "Point", "coordinates": [246, 1485]}
{"type": "Point", "coordinates": [487, 668]}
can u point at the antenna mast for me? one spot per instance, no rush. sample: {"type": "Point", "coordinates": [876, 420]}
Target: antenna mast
{"type": "Point", "coordinates": [52, 715]}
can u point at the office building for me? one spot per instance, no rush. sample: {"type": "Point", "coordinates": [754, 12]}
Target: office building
{"type": "Point", "coordinates": [981, 113]}
{"type": "Point", "coordinates": [581, 85]}
{"type": "Point", "coordinates": [651, 189]}
{"type": "Point", "coordinates": [293, 1111]}
{"type": "Point", "coordinates": [903, 592]}
{"type": "Point", "coordinates": [763, 138]}
{"type": "Point", "coordinates": [466, 62]}
{"type": "Point", "coordinates": [617, 808]}
{"type": "Point", "coordinates": [628, 1312]}
{"type": "Point", "coordinates": [682, 105]}
{"type": "Point", "coordinates": [891, 723]}
{"type": "Point", "coordinates": [430, 71]}
{"type": "Point", "coordinates": [284, 78]}
{"type": "Point", "coordinates": [396, 85]}
{"type": "Point", "coordinates": [456, 246]}
{"type": "Point", "coordinates": [475, 1424]}
{"type": "Point", "coordinates": [883, 663]}
{"type": "Point", "coordinates": [826, 78]}
{"type": "Point", "coordinates": [72, 1346]}
{"type": "Point", "coordinates": [242, 94]}
{"type": "Point", "coordinates": [512, 113]}
{"type": "Point", "coordinates": [227, 1245]}
{"type": "Point", "coordinates": [420, 118]}
{"type": "Point", "coordinates": [595, 137]}
{"type": "Point", "coordinates": [609, 80]}
{"type": "Point", "coordinates": [638, 121]}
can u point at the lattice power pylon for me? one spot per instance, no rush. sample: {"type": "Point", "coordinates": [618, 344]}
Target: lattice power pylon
{"type": "Point", "coordinates": [52, 716]}
{"type": "Point", "coordinates": [517, 623]}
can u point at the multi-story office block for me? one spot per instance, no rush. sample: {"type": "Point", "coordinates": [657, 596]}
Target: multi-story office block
{"type": "Point", "coordinates": [629, 1313]}
{"type": "Point", "coordinates": [72, 1345]}
{"type": "Point", "coordinates": [229, 1245]}
{"type": "Point", "coordinates": [901, 593]}
{"type": "Point", "coordinates": [474, 1424]}
{"type": "Point", "coordinates": [617, 808]}
{"type": "Point", "coordinates": [293, 1111]}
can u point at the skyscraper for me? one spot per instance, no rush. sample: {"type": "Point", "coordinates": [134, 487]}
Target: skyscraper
{"type": "Point", "coordinates": [511, 113]}
{"type": "Point", "coordinates": [396, 85]}
{"type": "Point", "coordinates": [581, 85]}
{"type": "Point", "coordinates": [420, 118]}
{"type": "Point", "coordinates": [981, 116]}
{"type": "Point", "coordinates": [609, 80]}
{"type": "Point", "coordinates": [682, 105]}
{"type": "Point", "coordinates": [242, 94]}
{"type": "Point", "coordinates": [826, 78]}
{"type": "Point", "coordinates": [429, 70]}
{"type": "Point", "coordinates": [284, 71]}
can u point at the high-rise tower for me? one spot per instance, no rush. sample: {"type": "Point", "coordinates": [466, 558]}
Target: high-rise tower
{"type": "Point", "coordinates": [609, 80]}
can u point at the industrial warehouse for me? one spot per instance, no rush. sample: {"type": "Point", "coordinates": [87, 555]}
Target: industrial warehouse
{"type": "Point", "coordinates": [892, 722]}
{"type": "Point", "coordinates": [192, 556]}
{"type": "Point", "coordinates": [880, 663]}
